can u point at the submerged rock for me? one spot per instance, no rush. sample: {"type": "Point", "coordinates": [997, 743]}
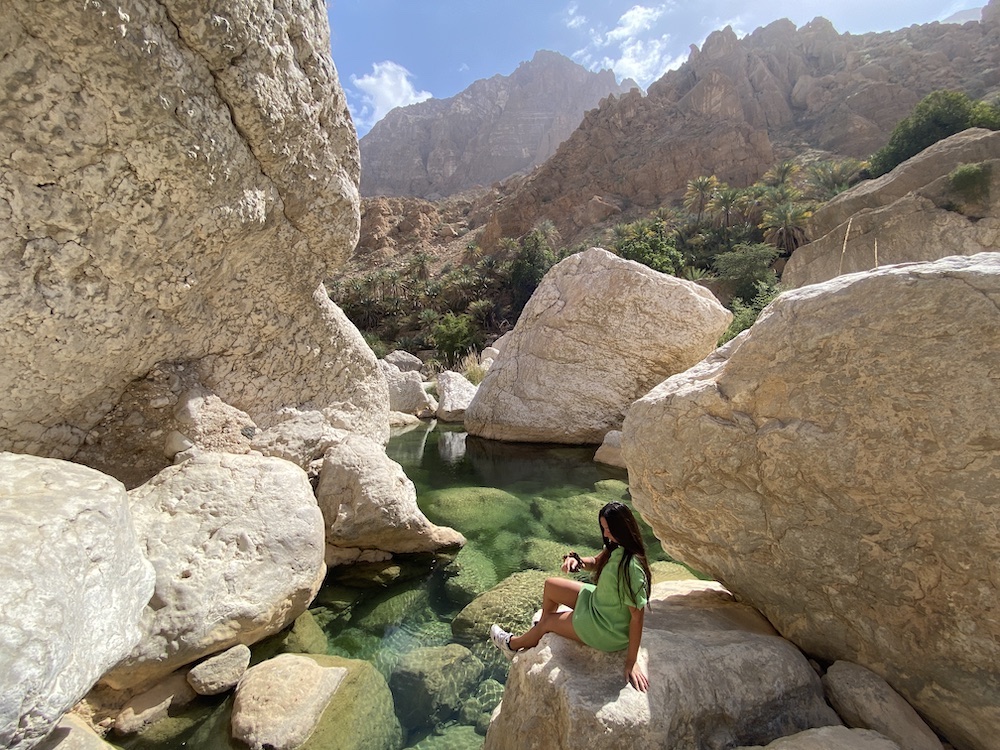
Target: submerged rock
{"type": "Point", "coordinates": [435, 682]}
{"type": "Point", "coordinates": [833, 468]}
{"type": "Point", "coordinates": [74, 583]}
{"type": "Point", "coordinates": [831, 738]}
{"type": "Point", "coordinates": [598, 332]}
{"type": "Point", "coordinates": [719, 676]}
{"type": "Point", "coordinates": [279, 702]}
{"type": "Point", "coordinates": [511, 603]}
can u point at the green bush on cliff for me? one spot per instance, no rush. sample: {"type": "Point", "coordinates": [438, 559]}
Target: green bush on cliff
{"type": "Point", "coordinates": [937, 116]}
{"type": "Point", "coordinates": [971, 181]}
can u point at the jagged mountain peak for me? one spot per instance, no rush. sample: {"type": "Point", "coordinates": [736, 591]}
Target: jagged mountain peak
{"type": "Point", "coordinates": [495, 128]}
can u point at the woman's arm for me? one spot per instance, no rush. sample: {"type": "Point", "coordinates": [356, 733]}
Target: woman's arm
{"type": "Point", "coordinates": [633, 672]}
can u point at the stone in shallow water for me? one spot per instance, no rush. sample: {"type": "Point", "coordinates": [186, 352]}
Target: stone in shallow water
{"type": "Point", "coordinates": [431, 684]}
{"type": "Point", "coordinates": [511, 604]}
{"type": "Point", "coordinates": [470, 574]}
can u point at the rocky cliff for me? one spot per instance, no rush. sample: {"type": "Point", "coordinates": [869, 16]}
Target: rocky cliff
{"type": "Point", "coordinates": [173, 190]}
{"type": "Point", "coordinates": [738, 104]}
{"type": "Point", "coordinates": [495, 128]}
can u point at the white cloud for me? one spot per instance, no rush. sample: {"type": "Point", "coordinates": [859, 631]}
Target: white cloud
{"type": "Point", "coordinates": [633, 48]}
{"type": "Point", "coordinates": [388, 86]}
{"type": "Point", "coordinates": [634, 21]}
{"type": "Point", "coordinates": [573, 18]}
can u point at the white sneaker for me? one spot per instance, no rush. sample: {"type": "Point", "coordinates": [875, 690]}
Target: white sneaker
{"type": "Point", "coordinates": [501, 639]}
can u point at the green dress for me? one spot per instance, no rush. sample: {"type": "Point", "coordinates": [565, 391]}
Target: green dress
{"type": "Point", "coordinates": [601, 617]}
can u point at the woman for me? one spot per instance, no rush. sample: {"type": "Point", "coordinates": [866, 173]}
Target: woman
{"type": "Point", "coordinates": [607, 616]}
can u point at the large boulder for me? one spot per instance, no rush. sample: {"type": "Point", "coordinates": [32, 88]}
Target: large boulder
{"type": "Point", "coordinates": [73, 586]}
{"type": "Point", "coordinates": [863, 699]}
{"type": "Point", "coordinates": [455, 393]}
{"type": "Point", "coordinates": [178, 178]}
{"type": "Point", "coordinates": [280, 702]}
{"type": "Point", "coordinates": [406, 391]}
{"type": "Point", "coordinates": [358, 714]}
{"type": "Point", "coordinates": [598, 332]}
{"type": "Point", "coordinates": [833, 467]}
{"type": "Point", "coordinates": [719, 676]}
{"type": "Point", "coordinates": [369, 503]}
{"type": "Point", "coordinates": [913, 213]}
{"type": "Point", "coordinates": [237, 544]}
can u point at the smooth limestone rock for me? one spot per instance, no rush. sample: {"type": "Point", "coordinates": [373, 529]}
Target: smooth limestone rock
{"type": "Point", "coordinates": [831, 738]}
{"type": "Point", "coordinates": [863, 699]}
{"type": "Point", "coordinates": [610, 451]}
{"type": "Point", "coordinates": [455, 393]}
{"type": "Point", "coordinates": [913, 214]}
{"type": "Point", "coordinates": [237, 544]}
{"type": "Point", "coordinates": [280, 702]}
{"type": "Point", "coordinates": [155, 704]}
{"type": "Point", "coordinates": [406, 391]}
{"type": "Point", "coordinates": [74, 583]}
{"type": "Point", "coordinates": [832, 467]}
{"type": "Point", "coordinates": [178, 179]}
{"type": "Point", "coordinates": [219, 673]}
{"type": "Point", "coordinates": [369, 503]}
{"type": "Point", "coordinates": [73, 733]}
{"type": "Point", "coordinates": [359, 716]}
{"type": "Point", "coordinates": [404, 361]}
{"type": "Point", "coordinates": [719, 676]}
{"type": "Point", "coordinates": [598, 332]}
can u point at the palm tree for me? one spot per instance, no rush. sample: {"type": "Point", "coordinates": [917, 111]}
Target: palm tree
{"type": "Point", "coordinates": [781, 174]}
{"type": "Point", "coordinates": [825, 179]}
{"type": "Point", "coordinates": [699, 192]}
{"type": "Point", "coordinates": [419, 266]}
{"type": "Point", "coordinates": [723, 204]}
{"type": "Point", "coordinates": [785, 226]}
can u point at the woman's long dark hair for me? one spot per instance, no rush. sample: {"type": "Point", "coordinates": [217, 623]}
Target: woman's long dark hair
{"type": "Point", "coordinates": [624, 528]}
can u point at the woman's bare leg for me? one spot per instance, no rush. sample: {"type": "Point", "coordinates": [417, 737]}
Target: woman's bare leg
{"type": "Point", "coordinates": [557, 591]}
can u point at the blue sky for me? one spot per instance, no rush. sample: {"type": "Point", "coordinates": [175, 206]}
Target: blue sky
{"type": "Point", "coordinates": [395, 52]}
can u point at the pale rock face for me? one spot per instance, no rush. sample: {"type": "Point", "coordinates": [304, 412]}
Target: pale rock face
{"type": "Point", "coordinates": [610, 451]}
{"type": "Point", "coordinates": [73, 733]}
{"type": "Point", "coordinates": [863, 699]}
{"type": "Point", "coordinates": [152, 705]}
{"type": "Point", "coordinates": [369, 504]}
{"type": "Point", "coordinates": [831, 738]}
{"type": "Point", "coordinates": [910, 214]}
{"type": "Point", "coordinates": [73, 586]}
{"type": "Point", "coordinates": [598, 332]}
{"type": "Point", "coordinates": [406, 391]}
{"type": "Point", "coordinates": [237, 544]}
{"type": "Point", "coordinates": [177, 181]}
{"type": "Point", "coordinates": [217, 674]}
{"type": "Point", "coordinates": [698, 646]}
{"type": "Point", "coordinates": [404, 361]}
{"type": "Point", "coordinates": [455, 393]}
{"type": "Point", "coordinates": [833, 468]}
{"type": "Point", "coordinates": [280, 701]}
{"type": "Point", "coordinates": [302, 438]}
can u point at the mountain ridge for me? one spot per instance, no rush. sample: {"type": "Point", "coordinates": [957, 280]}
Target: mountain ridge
{"type": "Point", "coordinates": [495, 128]}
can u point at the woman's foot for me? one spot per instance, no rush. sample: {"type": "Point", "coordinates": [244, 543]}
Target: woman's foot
{"type": "Point", "coordinates": [501, 639]}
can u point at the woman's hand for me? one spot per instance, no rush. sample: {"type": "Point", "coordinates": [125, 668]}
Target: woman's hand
{"type": "Point", "coordinates": [571, 563]}
{"type": "Point", "coordinates": [636, 677]}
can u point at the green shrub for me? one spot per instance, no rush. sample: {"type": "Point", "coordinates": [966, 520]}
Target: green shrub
{"type": "Point", "coordinates": [376, 344]}
{"type": "Point", "coordinates": [937, 116]}
{"type": "Point", "coordinates": [971, 181]}
{"type": "Point", "coordinates": [455, 334]}
{"type": "Point", "coordinates": [745, 313]}
{"type": "Point", "coordinates": [747, 266]}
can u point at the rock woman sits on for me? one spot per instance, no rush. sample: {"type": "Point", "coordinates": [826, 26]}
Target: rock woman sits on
{"type": "Point", "coordinates": [607, 616]}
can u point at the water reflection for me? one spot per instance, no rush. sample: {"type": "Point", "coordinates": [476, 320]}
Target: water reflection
{"type": "Point", "coordinates": [451, 447]}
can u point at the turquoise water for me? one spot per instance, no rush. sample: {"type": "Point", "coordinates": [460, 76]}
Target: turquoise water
{"type": "Point", "coordinates": [521, 507]}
